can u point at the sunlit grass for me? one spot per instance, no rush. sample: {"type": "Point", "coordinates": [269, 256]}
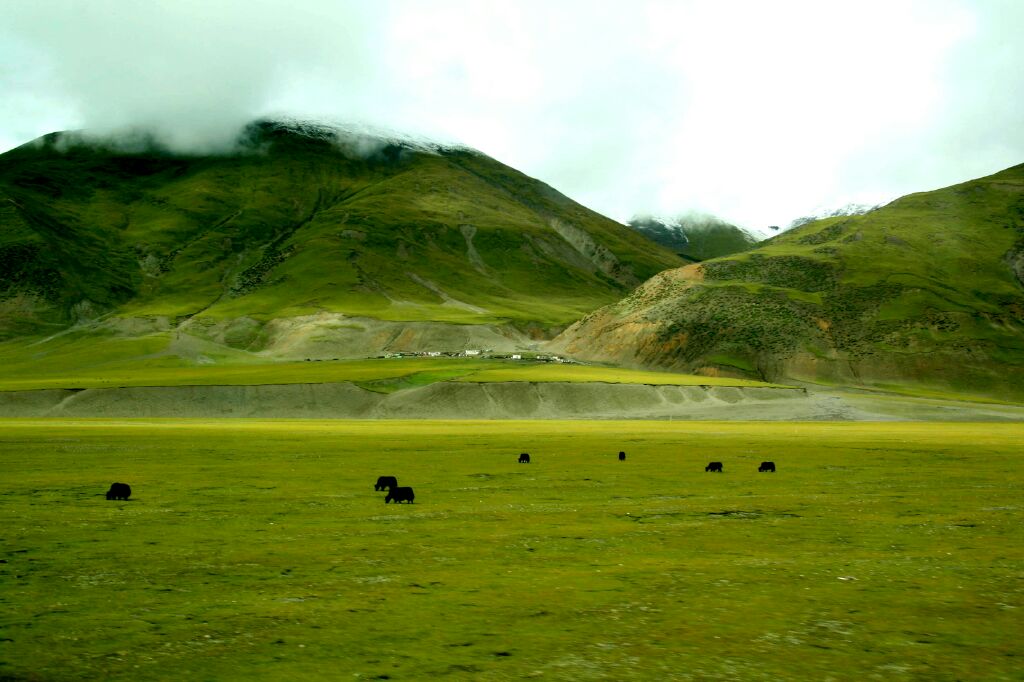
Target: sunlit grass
{"type": "Point", "coordinates": [258, 550]}
{"type": "Point", "coordinates": [394, 373]}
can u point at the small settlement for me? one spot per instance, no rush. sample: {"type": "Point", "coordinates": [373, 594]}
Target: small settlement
{"type": "Point", "coordinates": [488, 354]}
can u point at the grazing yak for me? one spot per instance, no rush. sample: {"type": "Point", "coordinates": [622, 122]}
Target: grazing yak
{"type": "Point", "coordinates": [767, 466]}
{"type": "Point", "coordinates": [119, 491]}
{"type": "Point", "coordinates": [385, 482]}
{"type": "Point", "coordinates": [622, 456]}
{"type": "Point", "coordinates": [524, 458]}
{"type": "Point", "coordinates": [399, 495]}
{"type": "Point", "coordinates": [714, 466]}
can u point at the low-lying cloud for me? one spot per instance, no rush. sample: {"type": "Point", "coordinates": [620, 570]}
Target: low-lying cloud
{"type": "Point", "coordinates": [755, 112]}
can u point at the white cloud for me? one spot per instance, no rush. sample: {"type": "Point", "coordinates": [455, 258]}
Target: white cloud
{"type": "Point", "coordinates": [754, 111]}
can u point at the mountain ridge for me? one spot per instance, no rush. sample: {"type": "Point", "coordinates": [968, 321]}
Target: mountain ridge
{"type": "Point", "coordinates": [298, 220]}
{"type": "Point", "coordinates": [927, 290]}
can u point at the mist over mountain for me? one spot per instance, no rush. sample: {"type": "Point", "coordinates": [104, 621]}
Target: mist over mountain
{"type": "Point", "coordinates": [724, 135]}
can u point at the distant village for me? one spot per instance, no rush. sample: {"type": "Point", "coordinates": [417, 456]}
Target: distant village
{"type": "Point", "coordinates": [483, 354]}
{"type": "Point", "coordinates": [487, 354]}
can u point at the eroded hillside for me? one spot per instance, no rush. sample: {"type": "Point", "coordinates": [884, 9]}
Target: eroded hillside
{"type": "Point", "coordinates": [927, 290]}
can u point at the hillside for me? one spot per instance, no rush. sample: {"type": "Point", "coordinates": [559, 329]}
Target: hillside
{"type": "Point", "coordinates": [924, 292]}
{"type": "Point", "coordinates": [695, 237]}
{"type": "Point", "coordinates": [303, 240]}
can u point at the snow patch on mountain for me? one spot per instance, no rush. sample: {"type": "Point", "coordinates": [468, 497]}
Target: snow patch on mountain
{"type": "Point", "coordinates": [696, 236]}
{"type": "Point", "coordinates": [354, 136]}
{"type": "Point", "coordinates": [820, 213]}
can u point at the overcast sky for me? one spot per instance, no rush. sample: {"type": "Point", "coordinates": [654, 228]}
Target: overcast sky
{"type": "Point", "coordinates": [755, 111]}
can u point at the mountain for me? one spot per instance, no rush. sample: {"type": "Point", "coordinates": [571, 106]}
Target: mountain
{"type": "Point", "coordinates": [303, 238]}
{"type": "Point", "coordinates": [846, 210]}
{"type": "Point", "coordinates": [926, 292]}
{"type": "Point", "coordinates": [694, 236]}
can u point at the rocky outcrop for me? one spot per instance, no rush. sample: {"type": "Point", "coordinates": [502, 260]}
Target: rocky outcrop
{"type": "Point", "coordinates": [596, 254]}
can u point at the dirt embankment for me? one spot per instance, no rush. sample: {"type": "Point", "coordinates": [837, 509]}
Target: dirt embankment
{"type": "Point", "coordinates": [446, 400]}
{"type": "Point", "coordinates": [510, 400]}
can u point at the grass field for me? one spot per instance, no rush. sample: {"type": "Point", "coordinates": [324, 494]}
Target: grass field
{"type": "Point", "coordinates": [258, 550]}
{"type": "Point", "coordinates": [382, 375]}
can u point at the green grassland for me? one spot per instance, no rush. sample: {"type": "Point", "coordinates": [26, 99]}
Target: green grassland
{"type": "Point", "coordinates": [377, 374]}
{"type": "Point", "coordinates": [258, 550]}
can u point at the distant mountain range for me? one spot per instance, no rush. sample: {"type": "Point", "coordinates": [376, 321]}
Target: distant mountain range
{"type": "Point", "coordinates": [848, 209]}
{"type": "Point", "coordinates": [695, 237]}
{"type": "Point", "coordinates": [926, 291]}
{"type": "Point", "coordinates": [309, 241]}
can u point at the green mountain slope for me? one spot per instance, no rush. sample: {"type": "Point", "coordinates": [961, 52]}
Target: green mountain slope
{"type": "Point", "coordinates": [300, 220]}
{"type": "Point", "coordinates": [695, 237]}
{"type": "Point", "coordinates": [925, 291]}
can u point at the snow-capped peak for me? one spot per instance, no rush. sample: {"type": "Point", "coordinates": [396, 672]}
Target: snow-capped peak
{"type": "Point", "coordinates": [832, 212]}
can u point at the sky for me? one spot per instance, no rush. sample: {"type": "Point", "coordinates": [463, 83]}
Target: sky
{"type": "Point", "coordinates": [757, 112]}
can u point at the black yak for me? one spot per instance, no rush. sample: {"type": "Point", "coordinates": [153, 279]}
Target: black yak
{"type": "Point", "coordinates": [767, 466]}
{"type": "Point", "coordinates": [385, 482]}
{"type": "Point", "coordinates": [399, 495]}
{"type": "Point", "coordinates": [622, 456]}
{"type": "Point", "coordinates": [119, 491]}
{"type": "Point", "coordinates": [714, 466]}
{"type": "Point", "coordinates": [524, 458]}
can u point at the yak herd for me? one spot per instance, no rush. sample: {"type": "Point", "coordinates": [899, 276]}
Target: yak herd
{"type": "Point", "coordinates": [404, 494]}
{"type": "Point", "coordinates": [395, 494]}
{"type": "Point", "coordinates": [716, 467]}
{"type": "Point", "coordinates": [399, 494]}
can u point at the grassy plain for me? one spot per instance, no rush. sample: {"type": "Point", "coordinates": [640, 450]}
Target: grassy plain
{"type": "Point", "coordinates": [258, 550]}
{"type": "Point", "coordinates": [377, 374]}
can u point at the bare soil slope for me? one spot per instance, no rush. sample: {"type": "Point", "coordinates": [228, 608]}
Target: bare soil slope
{"type": "Point", "coordinates": [500, 400]}
{"type": "Point", "coordinates": [926, 291]}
